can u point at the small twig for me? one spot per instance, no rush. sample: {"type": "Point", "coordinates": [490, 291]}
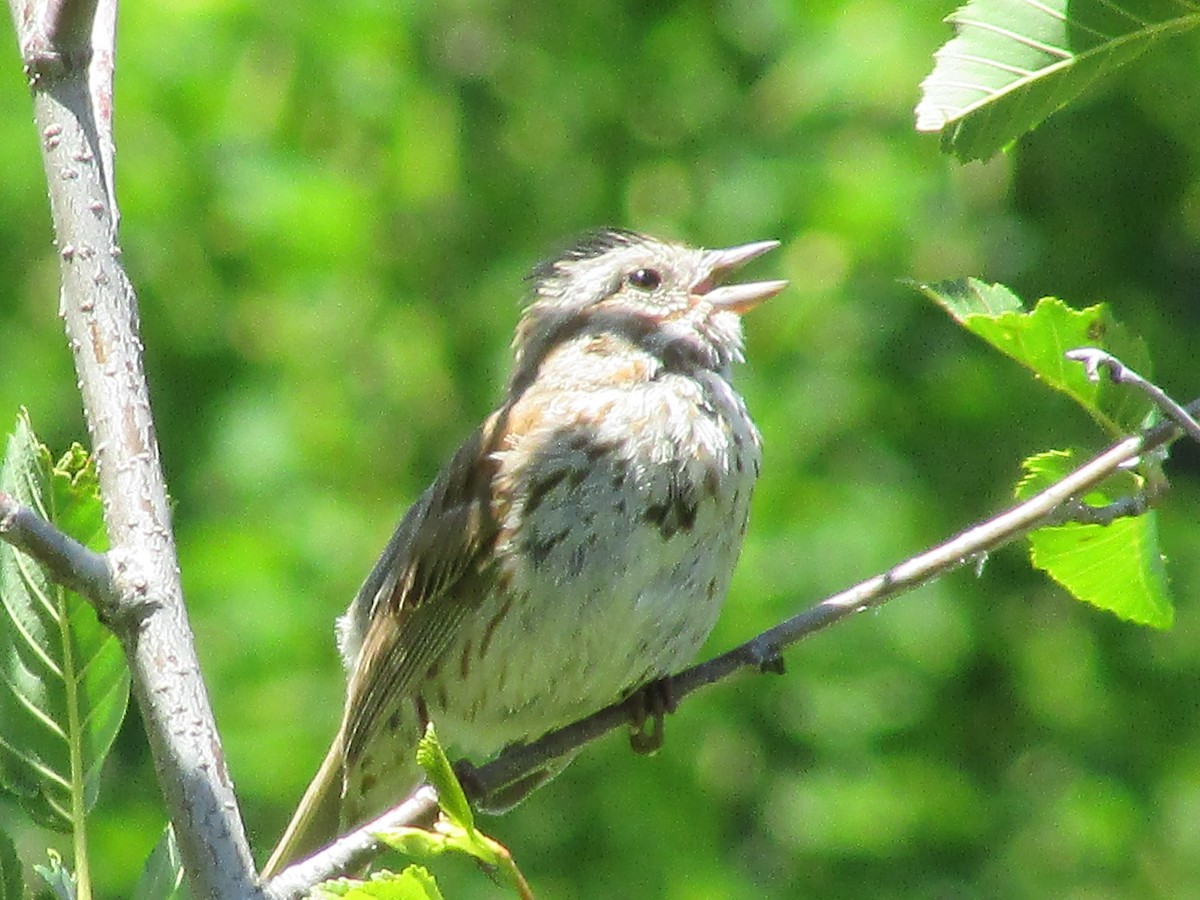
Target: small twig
{"type": "Point", "coordinates": [69, 562]}
{"type": "Point", "coordinates": [762, 653]}
{"type": "Point", "coordinates": [38, 33]}
{"type": "Point", "coordinates": [1076, 512]}
{"type": "Point", "coordinates": [1094, 360]}
{"type": "Point", "coordinates": [54, 36]}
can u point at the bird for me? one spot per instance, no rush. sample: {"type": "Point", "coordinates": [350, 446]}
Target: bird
{"type": "Point", "coordinates": [576, 547]}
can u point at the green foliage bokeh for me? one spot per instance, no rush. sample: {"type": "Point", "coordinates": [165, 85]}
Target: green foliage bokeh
{"type": "Point", "coordinates": [328, 212]}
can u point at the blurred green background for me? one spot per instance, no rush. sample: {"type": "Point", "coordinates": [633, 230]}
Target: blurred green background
{"type": "Point", "coordinates": [328, 212]}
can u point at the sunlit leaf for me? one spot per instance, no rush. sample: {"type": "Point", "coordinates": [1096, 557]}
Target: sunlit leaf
{"type": "Point", "coordinates": [433, 760]}
{"type": "Point", "coordinates": [1040, 338]}
{"type": "Point", "coordinates": [63, 681]}
{"type": "Point", "coordinates": [1116, 567]}
{"type": "Point", "coordinates": [455, 829]}
{"type": "Point", "coordinates": [1014, 62]}
{"type": "Point", "coordinates": [414, 883]}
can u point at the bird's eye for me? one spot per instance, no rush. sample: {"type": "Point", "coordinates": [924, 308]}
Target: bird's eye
{"type": "Point", "coordinates": [644, 279]}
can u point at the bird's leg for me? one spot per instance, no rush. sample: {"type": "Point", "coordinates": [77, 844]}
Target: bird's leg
{"type": "Point", "coordinates": [648, 706]}
{"type": "Point", "coordinates": [503, 798]}
{"type": "Point", "coordinates": [465, 771]}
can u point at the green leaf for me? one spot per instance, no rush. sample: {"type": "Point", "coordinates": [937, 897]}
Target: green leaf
{"type": "Point", "coordinates": [1014, 62]}
{"type": "Point", "coordinates": [11, 882]}
{"type": "Point", "coordinates": [965, 297]}
{"type": "Point", "coordinates": [451, 797]}
{"type": "Point", "coordinates": [1038, 340]}
{"type": "Point", "coordinates": [1116, 567]}
{"type": "Point", "coordinates": [446, 836]}
{"type": "Point", "coordinates": [418, 843]}
{"type": "Point", "coordinates": [63, 682]}
{"type": "Point", "coordinates": [58, 876]}
{"type": "Point", "coordinates": [162, 876]}
{"type": "Point", "coordinates": [455, 829]}
{"type": "Point", "coordinates": [414, 883]}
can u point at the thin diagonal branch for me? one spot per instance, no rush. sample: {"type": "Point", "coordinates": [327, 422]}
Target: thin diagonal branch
{"type": "Point", "coordinates": [761, 653]}
{"type": "Point", "coordinates": [1080, 513]}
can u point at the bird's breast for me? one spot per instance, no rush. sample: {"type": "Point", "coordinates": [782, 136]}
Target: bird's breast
{"type": "Point", "coordinates": [620, 522]}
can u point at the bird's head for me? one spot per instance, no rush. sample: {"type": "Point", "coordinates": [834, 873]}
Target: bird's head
{"type": "Point", "coordinates": [665, 297]}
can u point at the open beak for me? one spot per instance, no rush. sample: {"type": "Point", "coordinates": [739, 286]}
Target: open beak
{"type": "Point", "coordinates": [738, 298]}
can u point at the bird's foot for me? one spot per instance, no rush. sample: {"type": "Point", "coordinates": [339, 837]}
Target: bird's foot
{"type": "Point", "coordinates": [648, 706]}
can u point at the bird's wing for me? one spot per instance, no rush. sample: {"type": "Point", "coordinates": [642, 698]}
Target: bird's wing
{"type": "Point", "coordinates": [417, 595]}
{"type": "Point", "coordinates": [421, 585]}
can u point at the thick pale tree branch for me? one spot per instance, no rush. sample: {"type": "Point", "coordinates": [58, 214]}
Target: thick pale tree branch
{"type": "Point", "coordinates": [1056, 504]}
{"type": "Point", "coordinates": [67, 50]}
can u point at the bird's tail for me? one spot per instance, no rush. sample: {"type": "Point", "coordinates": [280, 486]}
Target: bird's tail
{"type": "Point", "coordinates": [316, 820]}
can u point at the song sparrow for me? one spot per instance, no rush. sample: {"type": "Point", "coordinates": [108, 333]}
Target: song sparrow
{"type": "Point", "coordinates": [578, 545]}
